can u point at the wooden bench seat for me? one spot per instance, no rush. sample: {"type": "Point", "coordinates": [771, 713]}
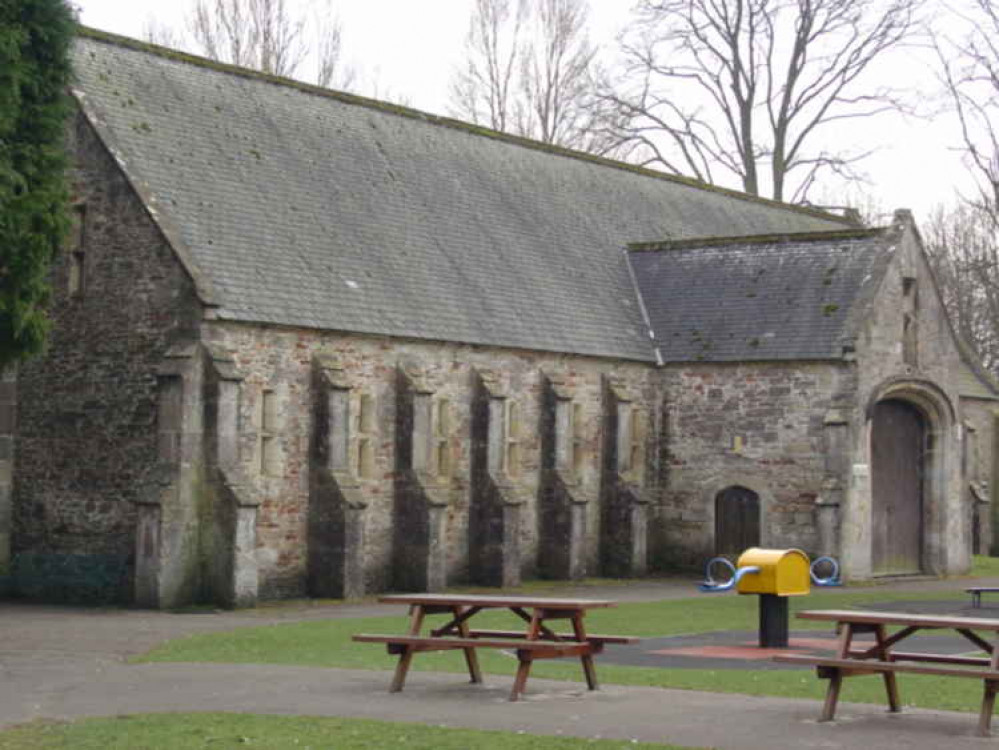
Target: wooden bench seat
{"type": "Point", "coordinates": [977, 591]}
{"type": "Point", "coordinates": [873, 667]}
{"type": "Point", "coordinates": [442, 643]}
{"type": "Point", "coordinates": [520, 635]}
{"type": "Point", "coordinates": [835, 670]}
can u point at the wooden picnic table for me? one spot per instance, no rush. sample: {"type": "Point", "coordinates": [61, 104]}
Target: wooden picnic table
{"type": "Point", "coordinates": [882, 657]}
{"type": "Point", "coordinates": [535, 640]}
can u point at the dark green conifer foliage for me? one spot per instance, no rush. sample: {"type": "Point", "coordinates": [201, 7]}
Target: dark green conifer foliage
{"type": "Point", "coordinates": [35, 37]}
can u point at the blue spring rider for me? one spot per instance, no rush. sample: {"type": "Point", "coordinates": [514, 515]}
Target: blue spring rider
{"type": "Point", "coordinates": [712, 585]}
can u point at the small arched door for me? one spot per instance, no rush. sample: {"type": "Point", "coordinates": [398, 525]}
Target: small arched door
{"type": "Point", "coordinates": [898, 449]}
{"type": "Point", "coordinates": [737, 520]}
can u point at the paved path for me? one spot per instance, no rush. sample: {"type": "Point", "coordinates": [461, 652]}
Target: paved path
{"type": "Point", "coordinates": [60, 662]}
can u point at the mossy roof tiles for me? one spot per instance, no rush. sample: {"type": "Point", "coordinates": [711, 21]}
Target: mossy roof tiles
{"type": "Point", "coordinates": [298, 207]}
{"type": "Point", "coordinates": [777, 298]}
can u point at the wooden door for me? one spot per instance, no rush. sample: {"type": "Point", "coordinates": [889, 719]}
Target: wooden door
{"type": "Point", "coordinates": [737, 521]}
{"type": "Point", "coordinates": [897, 455]}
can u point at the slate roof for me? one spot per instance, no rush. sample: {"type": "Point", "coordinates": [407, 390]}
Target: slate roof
{"type": "Point", "coordinates": [302, 207]}
{"type": "Point", "coordinates": [973, 380]}
{"type": "Point", "coordinates": [757, 298]}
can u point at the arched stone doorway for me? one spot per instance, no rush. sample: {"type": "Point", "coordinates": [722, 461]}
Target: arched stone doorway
{"type": "Point", "coordinates": [899, 448]}
{"type": "Point", "coordinates": [737, 520]}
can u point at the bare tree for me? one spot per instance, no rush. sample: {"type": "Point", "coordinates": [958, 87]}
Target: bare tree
{"type": "Point", "coordinates": [269, 35]}
{"type": "Point", "coordinates": [222, 30]}
{"type": "Point", "coordinates": [970, 72]}
{"type": "Point", "coordinates": [484, 90]}
{"type": "Point", "coordinates": [158, 33]}
{"type": "Point", "coordinates": [555, 76]}
{"type": "Point", "coordinates": [332, 68]}
{"type": "Point", "coordinates": [743, 87]}
{"type": "Point", "coordinates": [964, 242]}
{"type": "Point", "coordinates": [964, 250]}
{"type": "Point", "coordinates": [529, 70]}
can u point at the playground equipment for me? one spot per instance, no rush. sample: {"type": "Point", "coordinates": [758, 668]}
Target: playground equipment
{"type": "Point", "coordinates": [832, 579]}
{"type": "Point", "coordinates": [774, 575]}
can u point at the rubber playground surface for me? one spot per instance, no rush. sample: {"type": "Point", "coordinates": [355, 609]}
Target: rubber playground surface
{"type": "Point", "coordinates": [739, 649]}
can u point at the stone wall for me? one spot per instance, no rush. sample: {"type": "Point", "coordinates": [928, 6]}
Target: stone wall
{"type": "Point", "coordinates": [759, 426]}
{"type": "Point", "coordinates": [978, 418]}
{"type": "Point", "coordinates": [86, 409]}
{"type": "Point", "coordinates": [8, 418]}
{"type": "Point", "coordinates": [282, 363]}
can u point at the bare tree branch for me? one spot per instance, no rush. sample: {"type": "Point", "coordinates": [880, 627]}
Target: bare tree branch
{"type": "Point", "coordinates": [964, 250]}
{"type": "Point", "coordinates": [969, 71]}
{"type": "Point", "coordinates": [274, 36]}
{"type": "Point", "coordinates": [259, 34]}
{"type": "Point", "coordinates": [332, 69]}
{"type": "Point", "coordinates": [158, 33]}
{"type": "Point", "coordinates": [529, 70]}
{"type": "Point", "coordinates": [749, 83]}
{"type": "Point", "coordinates": [483, 91]}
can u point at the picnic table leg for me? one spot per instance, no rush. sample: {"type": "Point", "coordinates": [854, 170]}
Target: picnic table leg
{"type": "Point", "coordinates": [834, 674]}
{"type": "Point", "coordinates": [587, 659]}
{"type": "Point", "coordinates": [471, 658]}
{"type": "Point", "coordinates": [526, 657]}
{"type": "Point", "coordinates": [401, 669]}
{"type": "Point", "coordinates": [523, 670]}
{"type": "Point", "coordinates": [845, 640]}
{"type": "Point", "coordinates": [891, 684]}
{"type": "Point", "coordinates": [835, 677]}
{"type": "Point", "coordinates": [988, 704]}
{"type": "Point", "coordinates": [406, 657]}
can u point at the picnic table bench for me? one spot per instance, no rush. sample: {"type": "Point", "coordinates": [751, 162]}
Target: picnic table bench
{"type": "Point", "coordinates": [883, 658]}
{"type": "Point", "coordinates": [535, 641]}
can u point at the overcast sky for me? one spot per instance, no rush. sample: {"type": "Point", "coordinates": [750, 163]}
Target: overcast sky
{"type": "Point", "coordinates": [412, 46]}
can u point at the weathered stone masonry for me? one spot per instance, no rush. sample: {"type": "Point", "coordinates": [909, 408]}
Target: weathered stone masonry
{"type": "Point", "coordinates": [414, 524]}
{"type": "Point", "coordinates": [79, 465]}
{"type": "Point", "coordinates": [759, 426]}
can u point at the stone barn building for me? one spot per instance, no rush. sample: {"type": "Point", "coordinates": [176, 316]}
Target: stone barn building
{"type": "Point", "coordinates": [305, 343]}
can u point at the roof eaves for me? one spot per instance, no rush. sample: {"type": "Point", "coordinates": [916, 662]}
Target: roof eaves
{"type": "Point", "coordinates": [448, 122]}
{"type": "Point", "coordinates": [757, 359]}
{"type": "Point", "coordinates": [757, 239]}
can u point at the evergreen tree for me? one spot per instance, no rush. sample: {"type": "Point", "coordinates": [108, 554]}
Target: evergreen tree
{"type": "Point", "coordinates": [35, 37]}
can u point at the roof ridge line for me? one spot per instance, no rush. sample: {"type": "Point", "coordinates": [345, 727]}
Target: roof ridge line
{"type": "Point", "coordinates": [448, 122]}
{"type": "Point", "coordinates": [757, 239]}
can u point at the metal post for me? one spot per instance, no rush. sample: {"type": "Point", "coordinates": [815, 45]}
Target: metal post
{"type": "Point", "coordinates": [773, 621]}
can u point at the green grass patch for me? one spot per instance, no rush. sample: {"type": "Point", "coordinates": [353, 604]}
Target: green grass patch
{"type": "Point", "coordinates": [221, 731]}
{"type": "Point", "coordinates": [983, 566]}
{"type": "Point", "coordinates": [327, 643]}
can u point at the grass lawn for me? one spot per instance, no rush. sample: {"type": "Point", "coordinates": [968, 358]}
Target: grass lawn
{"type": "Point", "coordinates": [327, 643]}
{"type": "Point", "coordinates": [222, 731]}
{"type": "Point", "coordinates": [985, 566]}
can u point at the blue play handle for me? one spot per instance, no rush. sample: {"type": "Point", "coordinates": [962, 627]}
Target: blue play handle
{"type": "Point", "coordinates": [710, 585]}
{"type": "Point", "coordinates": [832, 580]}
